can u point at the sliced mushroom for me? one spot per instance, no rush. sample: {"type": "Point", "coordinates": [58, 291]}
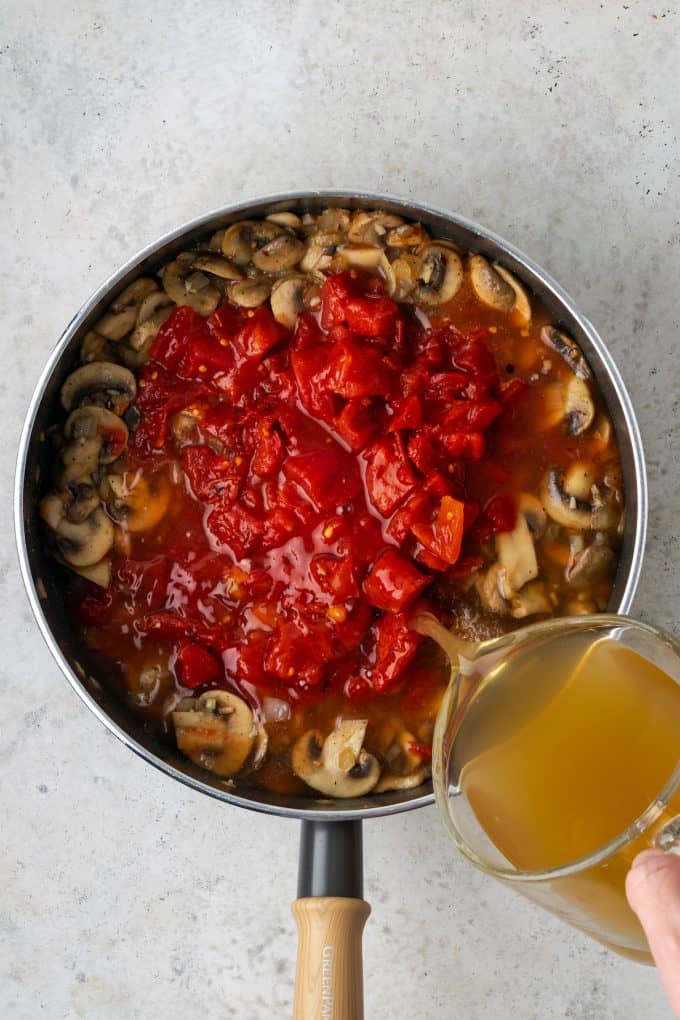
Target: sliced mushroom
{"type": "Point", "coordinates": [579, 606]}
{"type": "Point", "coordinates": [99, 573]}
{"type": "Point", "coordinates": [489, 286]}
{"type": "Point", "coordinates": [570, 512]}
{"type": "Point", "coordinates": [590, 563]}
{"type": "Point", "coordinates": [136, 500]}
{"type": "Point", "coordinates": [284, 252]}
{"type": "Point", "coordinates": [579, 407]}
{"type": "Point", "coordinates": [489, 589]}
{"type": "Point", "coordinates": [144, 334]}
{"type": "Point", "coordinates": [404, 768]}
{"type": "Point", "coordinates": [407, 235]}
{"type": "Point", "coordinates": [249, 293]}
{"type": "Point", "coordinates": [497, 288]}
{"type": "Point", "coordinates": [242, 240]}
{"type": "Point", "coordinates": [287, 299]}
{"type": "Point", "coordinates": [92, 422]}
{"type": "Point", "coordinates": [189, 286]}
{"type": "Point", "coordinates": [337, 766]}
{"type": "Point", "coordinates": [401, 275]}
{"type": "Point", "coordinates": [96, 347]}
{"type": "Point", "coordinates": [579, 480]}
{"type": "Point", "coordinates": [85, 501]}
{"type": "Point", "coordinates": [80, 459]}
{"type": "Point", "coordinates": [286, 219]}
{"type": "Point", "coordinates": [440, 276]}
{"type": "Point", "coordinates": [359, 256]}
{"type": "Point", "coordinates": [217, 265]}
{"type": "Point", "coordinates": [533, 512]}
{"type": "Point", "coordinates": [216, 731]}
{"type": "Point", "coordinates": [100, 383]}
{"type": "Point", "coordinates": [85, 543]}
{"type": "Point", "coordinates": [532, 599]}
{"type": "Point", "coordinates": [122, 313]}
{"type": "Point", "coordinates": [567, 349]}
{"type": "Point", "coordinates": [332, 221]}
{"type": "Point", "coordinates": [372, 227]}
{"type": "Point", "coordinates": [320, 251]}
{"type": "Point", "coordinates": [516, 557]}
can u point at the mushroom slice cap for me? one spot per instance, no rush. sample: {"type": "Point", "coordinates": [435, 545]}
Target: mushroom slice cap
{"type": "Point", "coordinates": [144, 333]}
{"type": "Point", "coordinates": [568, 350]}
{"type": "Point", "coordinates": [53, 508]}
{"type": "Point", "coordinates": [590, 564]}
{"type": "Point", "coordinates": [283, 252]}
{"type": "Point", "coordinates": [102, 383]}
{"type": "Point", "coordinates": [372, 227]}
{"type": "Point", "coordinates": [287, 299]}
{"type": "Point", "coordinates": [242, 239]}
{"type": "Point", "coordinates": [139, 501]}
{"type": "Point", "coordinates": [286, 219]}
{"type": "Point", "coordinates": [407, 235]}
{"type": "Point", "coordinates": [359, 256]}
{"type": "Point", "coordinates": [532, 599]}
{"type": "Point", "coordinates": [564, 509]}
{"type": "Point", "coordinates": [218, 265]}
{"type": "Point", "coordinates": [217, 731]}
{"type": "Point", "coordinates": [489, 588]}
{"type": "Point", "coordinates": [86, 543]}
{"type": "Point", "coordinates": [122, 314]}
{"type": "Point", "coordinates": [99, 573]}
{"type": "Point", "coordinates": [96, 347]}
{"type": "Point", "coordinates": [388, 781]}
{"type": "Point", "coordinates": [489, 286]}
{"type": "Point", "coordinates": [249, 293]}
{"type": "Point", "coordinates": [579, 407]}
{"type": "Point", "coordinates": [338, 767]}
{"type": "Point", "coordinates": [85, 501]}
{"type": "Point", "coordinates": [80, 458]}
{"type": "Point", "coordinates": [517, 557]}
{"type": "Point", "coordinates": [440, 276]}
{"type": "Point", "coordinates": [521, 307]}
{"type": "Point", "coordinates": [533, 512]}
{"type": "Point", "coordinates": [90, 422]}
{"type": "Point", "coordinates": [187, 286]}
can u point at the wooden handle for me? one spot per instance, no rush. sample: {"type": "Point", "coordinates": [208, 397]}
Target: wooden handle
{"type": "Point", "coordinates": [329, 983]}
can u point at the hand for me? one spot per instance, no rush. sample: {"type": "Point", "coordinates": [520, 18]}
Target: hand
{"type": "Point", "coordinates": [653, 891]}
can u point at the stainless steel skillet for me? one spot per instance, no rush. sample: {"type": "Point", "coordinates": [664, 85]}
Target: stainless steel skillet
{"type": "Point", "coordinates": [330, 910]}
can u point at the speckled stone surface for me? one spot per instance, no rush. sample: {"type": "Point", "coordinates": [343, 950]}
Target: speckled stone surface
{"type": "Point", "coordinates": [125, 896]}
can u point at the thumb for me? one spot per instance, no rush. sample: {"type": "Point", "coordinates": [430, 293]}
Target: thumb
{"type": "Point", "coordinates": [653, 891]}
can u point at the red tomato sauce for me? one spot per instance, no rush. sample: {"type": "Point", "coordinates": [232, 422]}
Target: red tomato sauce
{"type": "Point", "coordinates": [326, 484]}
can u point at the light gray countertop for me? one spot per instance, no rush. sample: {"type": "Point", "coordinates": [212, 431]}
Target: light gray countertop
{"type": "Point", "coordinates": [125, 895]}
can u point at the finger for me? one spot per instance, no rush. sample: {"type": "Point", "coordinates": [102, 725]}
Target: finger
{"type": "Point", "coordinates": [653, 891]}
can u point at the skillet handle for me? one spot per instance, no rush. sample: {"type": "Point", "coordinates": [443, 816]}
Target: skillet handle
{"type": "Point", "coordinates": [330, 915]}
{"type": "Point", "coordinates": [329, 979]}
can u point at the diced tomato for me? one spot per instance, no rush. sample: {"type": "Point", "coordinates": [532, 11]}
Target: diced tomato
{"type": "Point", "coordinates": [212, 476]}
{"type": "Point", "coordinates": [465, 566]}
{"type": "Point", "coordinates": [393, 583]}
{"type": "Point", "coordinates": [467, 445]}
{"type": "Point", "coordinates": [335, 575]}
{"type": "Point", "coordinates": [511, 392]}
{"type": "Point", "coordinates": [359, 370]}
{"type": "Point", "coordinates": [368, 314]}
{"type": "Point", "coordinates": [97, 605]}
{"type": "Point", "coordinates": [470, 415]}
{"type": "Point", "coordinates": [147, 580]}
{"type": "Point", "coordinates": [259, 334]}
{"type": "Point", "coordinates": [269, 451]}
{"type": "Point", "coordinates": [311, 368]}
{"type": "Point", "coordinates": [422, 750]}
{"type": "Point", "coordinates": [328, 477]}
{"type": "Point", "coordinates": [288, 655]}
{"type": "Point", "coordinates": [356, 423]}
{"type": "Point", "coordinates": [444, 535]}
{"type": "Point", "coordinates": [172, 626]}
{"type": "Point", "coordinates": [408, 413]}
{"type": "Point", "coordinates": [428, 559]}
{"type": "Point", "coordinates": [395, 646]}
{"type": "Point", "coordinates": [226, 321]}
{"type": "Point", "coordinates": [236, 527]}
{"type": "Point", "coordinates": [501, 512]}
{"type": "Point", "coordinates": [389, 477]}
{"type": "Point", "coordinates": [423, 452]}
{"type": "Point", "coordinates": [196, 666]}
{"type": "Point", "coordinates": [178, 334]}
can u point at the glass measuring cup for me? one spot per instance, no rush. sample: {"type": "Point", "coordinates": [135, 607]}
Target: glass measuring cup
{"type": "Point", "coordinates": [553, 770]}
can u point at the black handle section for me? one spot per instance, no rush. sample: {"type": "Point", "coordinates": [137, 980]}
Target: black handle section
{"type": "Point", "coordinates": [331, 860]}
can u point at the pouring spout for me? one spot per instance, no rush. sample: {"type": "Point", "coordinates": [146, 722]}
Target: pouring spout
{"type": "Point", "coordinates": [331, 859]}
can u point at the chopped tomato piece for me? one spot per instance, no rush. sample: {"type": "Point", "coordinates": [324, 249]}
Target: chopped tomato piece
{"type": "Point", "coordinates": [359, 370]}
{"type": "Point", "coordinates": [423, 452]}
{"type": "Point", "coordinates": [236, 527]}
{"type": "Point", "coordinates": [288, 654]}
{"type": "Point", "coordinates": [146, 579]}
{"type": "Point", "coordinates": [97, 605]}
{"type": "Point", "coordinates": [269, 451]}
{"type": "Point", "coordinates": [444, 535]}
{"type": "Point", "coordinates": [335, 575]}
{"type": "Point", "coordinates": [327, 477]}
{"type": "Point", "coordinates": [501, 512]}
{"type": "Point", "coordinates": [393, 583]}
{"type": "Point", "coordinates": [356, 423]}
{"type": "Point", "coordinates": [389, 477]}
{"type": "Point", "coordinates": [422, 750]}
{"type": "Point", "coordinates": [408, 413]}
{"type": "Point", "coordinates": [211, 475]}
{"type": "Point", "coordinates": [205, 358]}
{"type": "Point", "coordinates": [196, 666]}
{"type": "Point", "coordinates": [177, 335]}
{"type": "Point", "coordinates": [259, 334]}
{"type": "Point", "coordinates": [172, 626]}
{"type": "Point", "coordinates": [395, 646]}
{"type": "Point", "coordinates": [467, 445]}
{"type": "Point", "coordinates": [369, 314]}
